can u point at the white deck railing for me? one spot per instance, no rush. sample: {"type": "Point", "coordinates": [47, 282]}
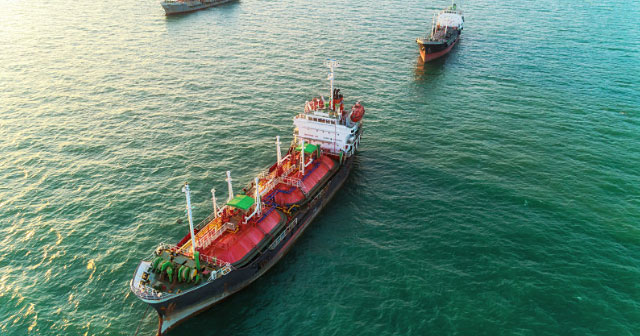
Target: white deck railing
{"type": "Point", "coordinates": [212, 235]}
{"type": "Point", "coordinates": [295, 182]}
{"type": "Point", "coordinates": [284, 233]}
{"type": "Point", "coordinates": [148, 293]}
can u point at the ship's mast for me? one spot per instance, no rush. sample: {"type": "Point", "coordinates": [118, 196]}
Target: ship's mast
{"type": "Point", "coordinates": [258, 203]}
{"type": "Point", "coordinates": [215, 204]}
{"type": "Point", "coordinates": [229, 185]}
{"type": "Point", "coordinates": [433, 25]}
{"type": "Point", "coordinates": [332, 64]}
{"type": "Point", "coordinates": [185, 189]}
{"type": "Point", "coordinates": [278, 149]}
{"type": "Point", "coordinates": [302, 157]}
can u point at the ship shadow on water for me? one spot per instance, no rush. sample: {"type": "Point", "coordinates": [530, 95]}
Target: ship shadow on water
{"type": "Point", "coordinates": [429, 70]}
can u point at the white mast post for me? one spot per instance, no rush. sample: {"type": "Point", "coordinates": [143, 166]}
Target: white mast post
{"type": "Point", "coordinates": [433, 25]}
{"type": "Point", "coordinates": [278, 149]}
{"type": "Point", "coordinates": [215, 204]}
{"type": "Point", "coordinates": [302, 158]}
{"type": "Point", "coordinates": [185, 189]}
{"type": "Point", "coordinates": [332, 64]}
{"type": "Point", "coordinates": [331, 89]}
{"type": "Point", "coordinates": [230, 186]}
{"type": "Point", "coordinates": [258, 205]}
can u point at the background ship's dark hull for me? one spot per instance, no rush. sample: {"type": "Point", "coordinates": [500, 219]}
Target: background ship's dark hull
{"type": "Point", "coordinates": [431, 51]}
{"type": "Point", "coordinates": [181, 8]}
{"type": "Point", "coordinates": [176, 309]}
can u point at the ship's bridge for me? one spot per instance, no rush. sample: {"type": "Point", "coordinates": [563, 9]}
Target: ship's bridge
{"type": "Point", "coordinates": [320, 128]}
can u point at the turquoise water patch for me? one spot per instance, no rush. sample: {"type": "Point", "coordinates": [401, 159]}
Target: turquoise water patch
{"type": "Point", "coordinates": [496, 190]}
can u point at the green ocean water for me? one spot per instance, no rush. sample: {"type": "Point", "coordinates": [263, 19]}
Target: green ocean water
{"type": "Point", "coordinates": [497, 190]}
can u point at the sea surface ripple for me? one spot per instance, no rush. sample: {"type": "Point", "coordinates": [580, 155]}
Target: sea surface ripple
{"type": "Point", "coordinates": [497, 191]}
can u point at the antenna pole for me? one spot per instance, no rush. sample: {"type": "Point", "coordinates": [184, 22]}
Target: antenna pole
{"type": "Point", "coordinates": [331, 88]}
{"type": "Point", "coordinates": [433, 25]}
{"type": "Point", "coordinates": [230, 186]}
{"type": "Point", "coordinates": [185, 189]}
{"type": "Point", "coordinates": [215, 204]}
{"type": "Point", "coordinates": [332, 64]}
{"type": "Point", "coordinates": [302, 158]}
{"type": "Point", "coordinates": [258, 205]}
{"type": "Point", "coordinates": [278, 149]}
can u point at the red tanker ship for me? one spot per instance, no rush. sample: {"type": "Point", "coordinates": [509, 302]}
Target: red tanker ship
{"type": "Point", "coordinates": [243, 239]}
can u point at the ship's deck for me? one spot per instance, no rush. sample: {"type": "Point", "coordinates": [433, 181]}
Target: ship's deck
{"type": "Point", "coordinates": [232, 247]}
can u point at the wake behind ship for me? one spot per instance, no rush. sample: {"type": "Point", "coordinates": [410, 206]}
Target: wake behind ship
{"type": "Point", "coordinates": [185, 6]}
{"type": "Point", "coordinates": [240, 241]}
{"type": "Point", "coordinates": [445, 33]}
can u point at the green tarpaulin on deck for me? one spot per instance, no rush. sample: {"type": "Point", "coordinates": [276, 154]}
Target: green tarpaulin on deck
{"type": "Point", "coordinates": [308, 148]}
{"type": "Point", "coordinates": [243, 202]}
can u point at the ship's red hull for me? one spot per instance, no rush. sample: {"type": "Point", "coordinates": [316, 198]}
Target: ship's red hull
{"type": "Point", "coordinates": [176, 309]}
{"type": "Point", "coordinates": [427, 57]}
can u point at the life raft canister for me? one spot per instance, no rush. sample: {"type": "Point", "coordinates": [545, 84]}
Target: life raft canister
{"type": "Point", "coordinates": [357, 112]}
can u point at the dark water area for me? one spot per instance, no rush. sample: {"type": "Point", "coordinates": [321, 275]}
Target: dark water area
{"type": "Point", "coordinates": [496, 191]}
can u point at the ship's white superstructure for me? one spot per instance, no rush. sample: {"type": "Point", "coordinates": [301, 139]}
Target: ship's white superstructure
{"type": "Point", "coordinates": [329, 126]}
{"type": "Point", "coordinates": [320, 128]}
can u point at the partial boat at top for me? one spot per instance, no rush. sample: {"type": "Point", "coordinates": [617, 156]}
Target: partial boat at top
{"type": "Point", "coordinates": [239, 242]}
{"type": "Point", "coordinates": [445, 33]}
{"type": "Point", "coordinates": [186, 6]}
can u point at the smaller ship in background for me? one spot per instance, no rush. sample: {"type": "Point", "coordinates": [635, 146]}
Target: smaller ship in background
{"type": "Point", "coordinates": [445, 33]}
{"type": "Point", "coordinates": [186, 6]}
